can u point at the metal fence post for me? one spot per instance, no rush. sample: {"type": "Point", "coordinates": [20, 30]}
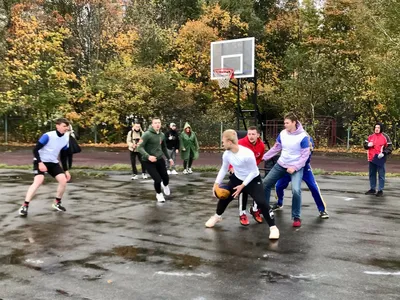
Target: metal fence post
{"type": "Point", "coordinates": [348, 137]}
{"type": "Point", "coordinates": [220, 135]}
{"type": "Point", "coordinates": [95, 133]}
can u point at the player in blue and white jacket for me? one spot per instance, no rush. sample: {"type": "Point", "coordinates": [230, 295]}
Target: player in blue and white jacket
{"type": "Point", "coordinates": [309, 179]}
{"type": "Point", "coordinates": [46, 152]}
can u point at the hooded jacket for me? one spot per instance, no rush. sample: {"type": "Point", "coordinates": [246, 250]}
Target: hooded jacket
{"type": "Point", "coordinates": [294, 148]}
{"type": "Point", "coordinates": [152, 143]}
{"type": "Point", "coordinates": [172, 139]}
{"type": "Point", "coordinates": [381, 143]}
{"type": "Point", "coordinates": [258, 148]}
{"type": "Point", "coordinates": [132, 139]}
{"type": "Point", "coordinates": [188, 143]}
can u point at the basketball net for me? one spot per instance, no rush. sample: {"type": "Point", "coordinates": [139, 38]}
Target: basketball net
{"type": "Point", "coordinates": [224, 76]}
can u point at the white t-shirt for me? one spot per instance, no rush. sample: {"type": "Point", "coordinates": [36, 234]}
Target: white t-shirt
{"type": "Point", "coordinates": [243, 163]}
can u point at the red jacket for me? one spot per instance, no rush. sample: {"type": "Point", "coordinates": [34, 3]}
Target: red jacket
{"type": "Point", "coordinates": [382, 143]}
{"type": "Point", "coordinates": [258, 149]}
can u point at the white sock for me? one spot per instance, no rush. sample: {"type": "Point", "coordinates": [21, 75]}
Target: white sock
{"type": "Point", "coordinates": [242, 212]}
{"type": "Point", "coordinates": [217, 215]}
{"type": "Point", "coordinates": [255, 207]}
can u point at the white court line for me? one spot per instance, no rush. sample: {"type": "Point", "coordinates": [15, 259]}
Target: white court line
{"type": "Point", "coordinates": [181, 274]}
{"type": "Point", "coordinates": [382, 273]}
{"type": "Point", "coordinates": [345, 198]}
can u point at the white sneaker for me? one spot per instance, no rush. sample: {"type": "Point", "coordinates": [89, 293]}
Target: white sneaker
{"type": "Point", "coordinates": [134, 177]}
{"type": "Point", "coordinates": [160, 198]}
{"type": "Point", "coordinates": [273, 233]}
{"type": "Point", "coordinates": [144, 176]}
{"type": "Point", "coordinates": [190, 171]}
{"type": "Point", "coordinates": [185, 171]}
{"type": "Point", "coordinates": [168, 172]}
{"type": "Point", "coordinates": [213, 220]}
{"type": "Point", "coordinates": [166, 189]}
{"type": "Point", "coordinates": [174, 172]}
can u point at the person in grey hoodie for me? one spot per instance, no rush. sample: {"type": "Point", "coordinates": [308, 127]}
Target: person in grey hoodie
{"type": "Point", "coordinates": [294, 144]}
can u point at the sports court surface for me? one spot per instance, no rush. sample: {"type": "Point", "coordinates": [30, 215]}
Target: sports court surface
{"type": "Point", "coordinates": [116, 242]}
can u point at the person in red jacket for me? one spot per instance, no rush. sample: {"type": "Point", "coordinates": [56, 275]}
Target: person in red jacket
{"type": "Point", "coordinates": [379, 146]}
{"type": "Point", "coordinates": [255, 144]}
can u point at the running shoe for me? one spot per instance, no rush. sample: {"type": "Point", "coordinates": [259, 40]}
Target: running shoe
{"type": "Point", "coordinates": [296, 222]}
{"type": "Point", "coordinates": [276, 206]}
{"type": "Point", "coordinates": [323, 214]}
{"type": "Point", "coordinates": [213, 220]}
{"type": "Point", "coordinates": [370, 192]}
{"type": "Point", "coordinates": [160, 198]}
{"type": "Point", "coordinates": [23, 211]}
{"type": "Point", "coordinates": [58, 206]}
{"type": "Point", "coordinates": [244, 220]}
{"type": "Point", "coordinates": [273, 233]}
{"type": "Point", "coordinates": [256, 215]}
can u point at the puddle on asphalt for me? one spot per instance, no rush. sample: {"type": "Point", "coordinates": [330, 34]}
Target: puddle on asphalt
{"type": "Point", "coordinates": [4, 276]}
{"type": "Point", "coordinates": [275, 277]}
{"type": "Point", "coordinates": [138, 254]}
{"type": "Point", "coordinates": [82, 263]}
{"type": "Point", "coordinates": [14, 258]}
{"type": "Point", "coordinates": [19, 177]}
{"type": "Point", "coordinates": [385, 263]}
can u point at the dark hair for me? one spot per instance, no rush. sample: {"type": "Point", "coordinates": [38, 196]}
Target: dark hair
{"type": "Point", "coordinates": [291, 116]}
{"type": "Point", "coordinates": [253, 128]}
{"type": "Point", "coordinates": [380, 125]}
{"type": "Point", "coordinates": [62, 120]}
{"type": "Point", "coordinates": [155, 118]}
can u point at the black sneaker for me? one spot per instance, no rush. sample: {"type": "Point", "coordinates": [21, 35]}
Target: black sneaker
{"type": "Point", "coordinates": [323, 215]}
{"type": "Point", "coordinates": [58, 206]}
{"type": "Point", "coordinates": [370, 192]}
{"type": "Point", "coordinates": [23, 211]}
{"type": "Point", "coordinates": [379, 194]}
{"type": "Point", "coordinates": [276, 206]}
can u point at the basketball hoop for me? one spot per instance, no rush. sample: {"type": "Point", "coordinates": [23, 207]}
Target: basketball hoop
{"type": "Point", "coordinates": [224, 75]}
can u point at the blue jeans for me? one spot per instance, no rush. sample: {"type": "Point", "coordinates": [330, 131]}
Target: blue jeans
{"type": "Point", "coordinates": [373, 169]}
{"type": "Point", "coordinates": [278, 172]}
{"type": "Point", "coordinates": [309, 179]}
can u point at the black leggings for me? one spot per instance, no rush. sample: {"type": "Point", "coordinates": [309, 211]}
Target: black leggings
{"type": "Point", "coordinates": [158, 172]}
{"type": "Point", "coordinates": [188, 163]}
{"type": "Point", "coordinates": [256, 190]}
{"type": "Point", "coordinates": [133, 162]}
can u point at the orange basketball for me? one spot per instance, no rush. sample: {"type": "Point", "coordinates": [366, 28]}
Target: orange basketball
{"type": "Point", "coordinates": [222, 191]}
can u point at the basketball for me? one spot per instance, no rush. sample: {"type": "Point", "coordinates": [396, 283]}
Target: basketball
{"type": "Point", "coordinates": [222, 191]}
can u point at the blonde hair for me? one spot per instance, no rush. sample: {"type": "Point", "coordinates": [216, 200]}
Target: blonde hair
{"type": "Point", "coordinates": [231, 135]}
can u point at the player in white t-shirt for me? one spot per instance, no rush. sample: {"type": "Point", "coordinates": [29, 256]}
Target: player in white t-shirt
{"type": "Point", "coordinates": [50, 145]}
{"type": "Point", "coordinates": [246, 178]}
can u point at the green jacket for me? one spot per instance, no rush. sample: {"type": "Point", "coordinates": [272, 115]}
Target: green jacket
{"type": "Point", "coordinates": [152, 143]}
{"type": "Point", "coordinates": [188, 144]}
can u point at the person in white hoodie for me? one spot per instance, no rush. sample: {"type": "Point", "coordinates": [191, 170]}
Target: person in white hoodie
{"type": "Point", "coordinates": [294, 144]}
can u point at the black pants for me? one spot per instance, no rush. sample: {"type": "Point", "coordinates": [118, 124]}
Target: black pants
{"type": "Point", "coordinates": [188, 163]}
{"type": "Point", "coordinates": [69, 160]}
{"type": "Point", "coordinates": [256, 190]}
{"type": "Point", "coordinates": [133, 162]}
{"type": "Point", "coordinates": [245, 197]}
{"type": "Point", "coordinates": [158, 172]}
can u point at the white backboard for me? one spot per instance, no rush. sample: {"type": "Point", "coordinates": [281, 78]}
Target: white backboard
{"type": "Point", "coordinates": [236, 54]}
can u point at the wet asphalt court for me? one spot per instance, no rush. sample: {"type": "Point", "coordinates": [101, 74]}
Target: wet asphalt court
{"type": "Point", "coordinates": [116, 242]}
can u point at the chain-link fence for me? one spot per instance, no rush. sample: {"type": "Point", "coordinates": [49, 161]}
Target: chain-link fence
{"type": "Point", "coordinates": [326, 132]}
